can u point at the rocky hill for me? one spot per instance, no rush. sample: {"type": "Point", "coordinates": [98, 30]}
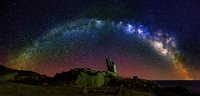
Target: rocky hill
{"type": "Point", "coordinates": [84, 77]}
{"type": "Point", "coordinates": [107, 82]}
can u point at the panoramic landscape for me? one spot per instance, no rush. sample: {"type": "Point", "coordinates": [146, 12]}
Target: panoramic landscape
{"type": "Point", "coordinates": [99, 48]}
{"type": "Point", "coordinates": [86, 81]}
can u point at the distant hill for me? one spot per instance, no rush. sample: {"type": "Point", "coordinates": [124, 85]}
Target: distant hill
{"type": "Point", "coordinates": [4, 70]}
{"type": "Point", "coordinates": [8, 74]}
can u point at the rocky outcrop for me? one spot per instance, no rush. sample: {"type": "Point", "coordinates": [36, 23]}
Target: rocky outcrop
{"type": "Point", "coordinates": [83, 77]}
{"type": "Point", "coordinates": [86, 76]}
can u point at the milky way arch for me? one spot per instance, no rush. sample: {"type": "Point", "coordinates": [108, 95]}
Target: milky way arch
{"type": "Point", "coordinates": [68, 40]}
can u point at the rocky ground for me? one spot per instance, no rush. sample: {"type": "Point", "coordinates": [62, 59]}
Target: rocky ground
{"type": "Point", "coordinates": [78, 82]}
{"type": "Point", "coordinates": [17, 89]}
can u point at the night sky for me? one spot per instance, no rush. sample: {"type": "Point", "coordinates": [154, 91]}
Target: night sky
{"type": "Point", "coordinates": [151, 39]}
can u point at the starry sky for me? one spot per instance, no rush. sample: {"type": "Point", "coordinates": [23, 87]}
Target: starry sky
{"type": "Point", "coordinates": [146, 38]}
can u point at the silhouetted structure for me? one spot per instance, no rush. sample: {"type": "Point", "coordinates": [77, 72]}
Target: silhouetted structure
{"type": "Point", "coordinates": [111, 65]}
